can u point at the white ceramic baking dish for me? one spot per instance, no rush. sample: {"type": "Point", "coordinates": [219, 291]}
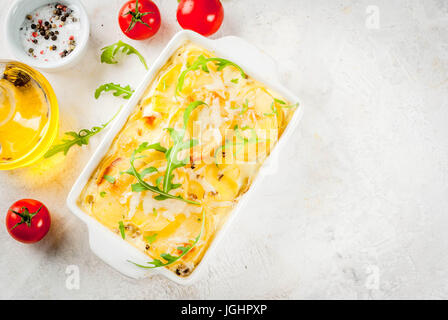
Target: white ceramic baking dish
{"type": "Point", "coordinates": [109, 246]}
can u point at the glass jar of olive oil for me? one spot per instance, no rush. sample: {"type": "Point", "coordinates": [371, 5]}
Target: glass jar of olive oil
{"type": "Point", "coordinates": [29, 115]}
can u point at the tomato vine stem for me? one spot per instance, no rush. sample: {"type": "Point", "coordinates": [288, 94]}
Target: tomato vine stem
{"type": "Point", "coordinates": [136, 17]}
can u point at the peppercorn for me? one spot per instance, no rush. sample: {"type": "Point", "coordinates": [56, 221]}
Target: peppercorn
{"type": "Point", "coordinates": [30, 50]}
{"type": "Point", "coordinates": [29, 17]}
{"type": "Point", "coordinates": [54, 38]}
{"type": "Point", "coordinates": [63, 18]}
{"type": "Point", "coordinates": [47, 23]}
{"type": "Point", "coordinates": [33, 26]}
{"type": "Point", "coordinates": [47, 37]}
{"type": "Point", "coordinates": [42, 32]}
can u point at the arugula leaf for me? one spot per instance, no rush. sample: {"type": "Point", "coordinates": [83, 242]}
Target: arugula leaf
{"type": "Point", "coordinates": [201, 62]}
{"type": "Point", "coordinates": [172, 159]}
{"type": "Point", "coordinates": [142, 185]}
{"type": "Point", "coordinates": [282, 105]}
{"type": "Point", "coordinates": [103, 194]}
{"type": "Point", "coordinates": [156, 263]}
{"type": "Point", "coordinates": [109, 179]}
{"type": "Point", "coordinates": [279, 101]}
{"type": "Point", "coordinates": [159, 180]}
{"type": "Point", "coordinates": [241, 141]}
{"type": "Point", "coordinates": [222, 63]}
{"type": "Point", "coordinates": [121, 227]}
{"type": "Point", "coordinates": [291, 106]}
{"type": "Point", "coordinates": [274, 111]}
{"type": "Point", "coordinates": [81, 138]}
{"type": "Point", "coordinates": [137, 187]}
{"type": "Point", "coordinates": [151, 238]}
{"type": "Point", "coordinates": [108, 54]}
{"type": "Point", "coordinates": [171, 154]}
{"type": "Point", "coordinates": [119, 90]}
{"type": "Point", "coordinates": [147, 171]}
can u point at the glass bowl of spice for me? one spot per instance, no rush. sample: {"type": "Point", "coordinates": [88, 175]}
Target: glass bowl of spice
{"type": "Point", "coordinates": [49, 35]}
{"type": "Point", "coordinates": [29, 115]}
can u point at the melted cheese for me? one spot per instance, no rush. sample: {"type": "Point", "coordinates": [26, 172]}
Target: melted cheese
{"type": "Point", "coordinates": [231, 102]}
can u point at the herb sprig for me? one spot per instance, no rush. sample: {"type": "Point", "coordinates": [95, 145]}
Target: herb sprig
{"type": "Point", "coordinates": [170, 259]}
{"type": "Point", "coordinates": [142, 185]}
{"type": "Point", "coordinates": [81, 138]}
{"type": "Point", "coordinates": [151, 238]}
{"type": "Point", "coordinates": [172, 158]}
{"type": "Point", "coordinates": [201, 62]}
{"type": "Point", "coordinates": [109, 53]}
{"type": "Point", "coordinates": [119, 90]}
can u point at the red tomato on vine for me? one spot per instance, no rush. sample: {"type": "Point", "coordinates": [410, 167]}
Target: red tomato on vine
{"type": "Point", "coordinates": [139, 19]}
{"type": "Point", "coordinates": [28, 220]}
{"type": "Point", "coordinates": [203, 16]}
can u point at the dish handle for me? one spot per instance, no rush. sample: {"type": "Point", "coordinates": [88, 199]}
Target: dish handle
{"type": "Point", "coordinates": [251, 56]}
{"type": "Point", "coordinates": [111, 249]}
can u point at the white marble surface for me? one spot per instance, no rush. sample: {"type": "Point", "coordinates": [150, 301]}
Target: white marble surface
{"type": "Point", "coordinates": [361, 194]}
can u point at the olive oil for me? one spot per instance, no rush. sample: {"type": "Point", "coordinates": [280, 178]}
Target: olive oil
{"type": "Point", "coordinates": [25, 113]}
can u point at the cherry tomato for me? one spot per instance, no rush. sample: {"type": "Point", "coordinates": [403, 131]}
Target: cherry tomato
{"type": "Point", "coordinates": [28, 220]}
{"type": "Point", "coordinates": [139, 19]}
{"type": "Point", "coordinates": [203, 16]}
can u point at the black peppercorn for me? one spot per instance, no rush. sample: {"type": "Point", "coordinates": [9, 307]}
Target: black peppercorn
{"type": "Point", "coordinates": [42, 32]}
{"type": "Point", "coordinates": [47, 37]}
{"type": "Point", "coordinates": [63, 18]}
{"type": "Point", "coordinates": [54, 38]}
{"type": "Point", "coordinates": [47, 23]}
{"type": "Point", "coordinates": [33, 26]}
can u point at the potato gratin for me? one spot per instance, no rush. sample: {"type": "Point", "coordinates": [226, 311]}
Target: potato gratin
{"type": "Point", "coordinates": [188, 152]}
